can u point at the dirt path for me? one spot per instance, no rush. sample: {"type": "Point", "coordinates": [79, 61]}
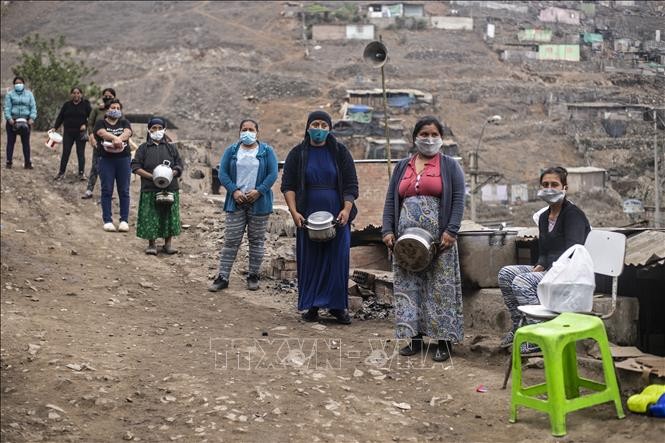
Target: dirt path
{"type": "Point", "coordinates": [100, 343]}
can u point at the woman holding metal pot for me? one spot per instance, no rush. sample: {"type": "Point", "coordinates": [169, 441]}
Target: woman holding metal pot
{"type": "Point", "coordinates": [159, 205]}
{"type": "Point", "coordinates": [560, 226]}
{"type": "Point", "coordinates": [247, 170]}
{"type": "Point", "coordinates": [320, 186]}
{"type": "Point", "coordinates": [427, 191]}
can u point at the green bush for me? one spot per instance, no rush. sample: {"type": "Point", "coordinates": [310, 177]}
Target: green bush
{"type": "Point", "coordinates": [50, 73]}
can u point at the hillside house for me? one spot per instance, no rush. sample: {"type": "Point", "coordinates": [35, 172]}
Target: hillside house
{"type": "Point", "coordinates": [585, 179]}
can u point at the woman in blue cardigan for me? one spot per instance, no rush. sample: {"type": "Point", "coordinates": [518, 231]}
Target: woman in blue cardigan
{"type": "Point", "coordinates": [427, 191]}
{"type": "Point", "coordinates": [247, 170]}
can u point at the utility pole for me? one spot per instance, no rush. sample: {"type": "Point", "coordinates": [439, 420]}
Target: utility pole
{"type": "Point", "coordinates": [655, 169]}
{"type": "Point", "coordinates": [304, 30]}
{"type": "Point", "coordinates": [473, 170]}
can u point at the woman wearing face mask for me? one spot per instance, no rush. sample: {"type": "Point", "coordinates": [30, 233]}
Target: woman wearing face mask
{"type": "Point", "coordinates": [562, 225]}
{"type": "Point", "coordinates": [97, 113]}
{"type": "Point", "coordinates": [158, 217]}
{"type": "Point", "coordinates": [427, 191]}
{"type": "Point", "coordinates": [113, 133]}
{"type": "Point", "coordinates": [247, 170]}
{"type": "Point", "coordinates": [319, 175]}
{"type": "Point", "coordinates": [20, 114]}
{"type": "Point", "coordinates": [73, 116]}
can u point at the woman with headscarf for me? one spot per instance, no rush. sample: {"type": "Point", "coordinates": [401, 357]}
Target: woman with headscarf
{"type": "Point", "coordinates": [427, 191]}
{"type": "Point", "coordinates": [159, 208]}
{"type": "Point", "coordinates": [247, 170]}
{"type": "Point", "coordinates": [74, 117]}
{"type": "Point", "coordinates": [319, 175]}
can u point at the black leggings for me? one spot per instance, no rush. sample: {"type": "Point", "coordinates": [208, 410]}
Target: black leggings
{"type": "Point", "coordinates": [68, 140]}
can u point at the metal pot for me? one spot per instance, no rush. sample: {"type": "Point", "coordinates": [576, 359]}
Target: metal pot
{"type": "Point", "coordinates": [321, 226]}
{"type": "Point", "coordinates": [165, 198]}
{"type": "Point", "coordinates": [483, 253]}
{"type": "Point", "coordinates": [162, 175]}
{"type": "Point", "coordinates": [415, 249]}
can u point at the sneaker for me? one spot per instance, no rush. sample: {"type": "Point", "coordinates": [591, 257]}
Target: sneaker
{"type": "Point", "coordinates": [8, 165]}
{"type": "Point", "coordinates": [87, 195]}
{"type": "Point", "coordinates": [311, 315]}
{"type": "Point", "coordinates": [28, 166]}
{"type": "Point", "coordinates": [507, 340]}
{"type": "Point", "coordinates": [253, 282]}
{"type": "Point", "coordinates": [123, 227]}
{"type": "Point", "coordinates": [109, 227]}
{"type": "Point", "coordinates": [413, 348]}
{"type": "Point", "coordinates": [82, 176]}
{"type": "Point", "coordinates": [529, 348]}
{"type": "Point", "coordinates": [218, 284]}
{"type": "Point", "coordinates": [59, 177]}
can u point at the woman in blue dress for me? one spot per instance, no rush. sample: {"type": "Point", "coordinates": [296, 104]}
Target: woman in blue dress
{"type": "Point", "coordinates": [319, 175]}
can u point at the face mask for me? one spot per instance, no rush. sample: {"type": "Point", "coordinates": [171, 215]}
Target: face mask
{"type": "Point", "coordinates": [157, 135]}
{"type": "Point", "coordinates": [247, 138]}
{"type": "Point", "coordinates": [428, 146]}
{"type": "Point", "coordinates": [107, 100]}
{"type": "Point", "coordinates": [114, 113]}
{"type": "Point", "coordinates": [318, 135]}
{"type": "Point", "coordinates": [551, 196]}
{"type": "Point", "coordinates": [18, 87]}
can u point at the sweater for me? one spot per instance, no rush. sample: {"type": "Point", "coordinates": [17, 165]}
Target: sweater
{"type": "Point", "coordinates": [265, 178]}
{"type": "Point", "coordinates": [73, 116]}
{"type": "Point", "coordinates": [293, 176]}
{"type": "Point", "coordinates": [571, 228]}
{"type": "Point", "coordinates": [149, 155]}
{"type": "Point", "coordinates": [451, 207]}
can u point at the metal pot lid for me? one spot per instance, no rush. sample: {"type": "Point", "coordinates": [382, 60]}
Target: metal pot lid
{"type": "Point", "coordinates": [320, 220]}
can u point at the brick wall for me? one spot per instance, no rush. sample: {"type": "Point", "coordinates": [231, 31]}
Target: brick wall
{"type": "Point", "coordinates": [372, 184]}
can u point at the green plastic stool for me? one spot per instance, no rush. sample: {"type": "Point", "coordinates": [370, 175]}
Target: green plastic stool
{"type": "Point", "coordinates": [557, 339]}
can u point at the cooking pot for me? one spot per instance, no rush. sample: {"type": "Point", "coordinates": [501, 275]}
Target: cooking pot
{"type": "Point", "coordinates": [165, 198]}
{"type": "Point", "coordinates": [162, 175]}
{"type": "Point", "coordinates": [483, 253]}
{"type": "Point", "coordinates": [321, 226]}
{"type": "Point", "coordinates": [415, 249]}
{"type": "Point", "coordinates": [53, 139]}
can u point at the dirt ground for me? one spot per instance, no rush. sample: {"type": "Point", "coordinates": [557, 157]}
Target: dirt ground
{"type": "Point", "coordinates": [102, 343]}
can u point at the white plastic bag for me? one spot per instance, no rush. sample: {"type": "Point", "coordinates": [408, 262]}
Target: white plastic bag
{"type": "Point", "coordinates": [568, 286]}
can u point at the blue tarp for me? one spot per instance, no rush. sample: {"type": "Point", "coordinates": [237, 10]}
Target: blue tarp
{"type": "Point", "coordinates": [400, 101]}
{"type": "Point", "coordinates": [359, 108]}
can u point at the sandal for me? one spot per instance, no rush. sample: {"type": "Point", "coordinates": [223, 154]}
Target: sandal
{"type": "Point", "coordinates": [169, 250]}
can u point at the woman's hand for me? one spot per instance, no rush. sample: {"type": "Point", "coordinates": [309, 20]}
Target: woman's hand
{"type": "Point", "coordinates": [343, 216]}
{"type": "Point", "coordinates": [252, 196]}
{"type": "Point", "coordinates": [538, 268]}
{"type": "Point", "coordinates": [239, 197]}
{"type": "Point", "coordinates": [117, 143]}
{"type": "Point", "coordinates": [82, 128]}
{"type": "Point", "coordinates": [298, 219]}
{"type": "Point", "coordinates": [389, 240]}
{"type": "Point", "coordinates": [447, 240]}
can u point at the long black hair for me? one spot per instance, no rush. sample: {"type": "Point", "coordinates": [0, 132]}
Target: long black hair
{"type": "Point", "coordinates": [424, 121]}
{"type": "Point", "coordinates": [556, 170]}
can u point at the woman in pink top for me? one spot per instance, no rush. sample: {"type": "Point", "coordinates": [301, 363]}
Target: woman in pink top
{"type": "Point", "coordinates": [427, 191]}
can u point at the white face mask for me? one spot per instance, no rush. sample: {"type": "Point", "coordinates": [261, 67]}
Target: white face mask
{"type": "Point", "coordinates": [157, 135]}
{"type": "Point", "coordinates": [551, 196]}
{"type": "Point", "coordinates": [428, 146]}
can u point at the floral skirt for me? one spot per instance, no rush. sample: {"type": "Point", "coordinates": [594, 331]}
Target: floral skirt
{"type": "Point", "coordinates": [157, 220]}
{"type": "Point", "coordinates": [430, 301]}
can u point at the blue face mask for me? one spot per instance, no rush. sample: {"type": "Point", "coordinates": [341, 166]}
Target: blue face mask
{"type": "Point", "coordinates": [247, 138]}
{"type": "Point", "coordinates": [18, 87]}
{"type": "Point", "coordinates": [318, 135]}
{"type": "Point", "coordinates": [114, 113]}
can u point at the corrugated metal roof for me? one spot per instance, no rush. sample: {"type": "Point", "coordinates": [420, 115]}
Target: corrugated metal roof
{"type": "Point", "coordinates": [645, 248]}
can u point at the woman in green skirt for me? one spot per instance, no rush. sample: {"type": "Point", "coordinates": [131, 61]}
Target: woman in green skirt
{"type": "Point", "coordinates": [159, 208]}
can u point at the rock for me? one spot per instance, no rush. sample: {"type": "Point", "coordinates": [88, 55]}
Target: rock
{"type": "Point", "coordinates": [357, 373]}
{"type": "Point", "coordinates": [436, 401]}
{"type": "Point", "coordinates": [32, 349]}
{"type": "Point", "coordinates": [402, 406]}
{"type": "Point", "coordinates": [128, 436]}
{"type": "Point", "coordinates": [55, 408]}
{"type": "Point", "coordinates": [74, 252]}
{"type": "Point", "coordinates": [277, 411]}
{"type": "Point", "coordinates": [53, 416]}
{"type": "Point", "coordinates": [168, 399]}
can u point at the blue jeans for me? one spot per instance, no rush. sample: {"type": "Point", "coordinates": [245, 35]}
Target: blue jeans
{"type": "Point", "coordinates": [115, 169]}
{"type": "Point", "coordinates": [11, 141]}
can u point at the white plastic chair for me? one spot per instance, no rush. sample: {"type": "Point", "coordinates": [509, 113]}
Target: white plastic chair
{"type": "Point", "coordinates": [608, 252]}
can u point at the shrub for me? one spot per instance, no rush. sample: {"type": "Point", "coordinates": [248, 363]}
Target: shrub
{"type": "Point", "coordinates": [51, 73]}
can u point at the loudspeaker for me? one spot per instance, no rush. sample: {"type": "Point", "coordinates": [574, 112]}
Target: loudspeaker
{"type": "Point", "coordinates": [375, 54]}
